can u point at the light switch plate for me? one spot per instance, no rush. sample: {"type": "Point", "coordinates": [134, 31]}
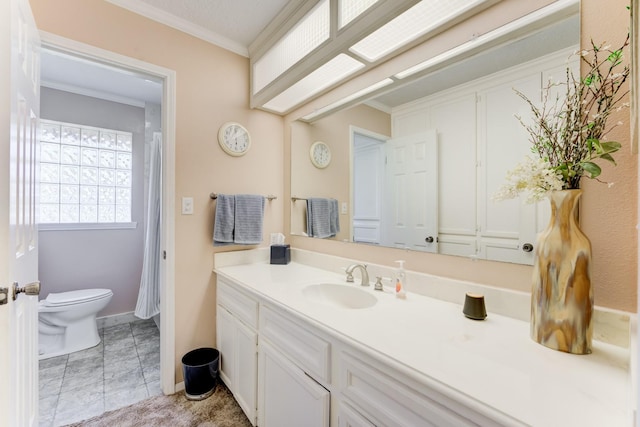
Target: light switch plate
{"type": "Point", "coordinates": [187, 206]}
{"type": "Point", "coordinates": [344, 208]}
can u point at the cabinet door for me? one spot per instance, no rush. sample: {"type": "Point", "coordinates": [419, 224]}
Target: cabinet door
{"type": "Point", "coordinates": [225, 327]}
{"type": "Point", "coordinates": [287, 396]}
{"type": "Point", "coordinates": [237, 344]}
{"type": "Point", "coordinates": [246, 370]}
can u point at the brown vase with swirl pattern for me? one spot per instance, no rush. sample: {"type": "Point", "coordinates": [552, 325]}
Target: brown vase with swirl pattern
{"type": "Point", "coordinates": [561, 295]}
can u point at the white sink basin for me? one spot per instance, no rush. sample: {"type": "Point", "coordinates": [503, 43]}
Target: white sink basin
{"type": "Point", "coordinates": [342, 296]}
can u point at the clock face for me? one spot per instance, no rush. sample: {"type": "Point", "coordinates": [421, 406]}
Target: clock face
{"type": "Point", "coordinates": [320, 154]}
{"type": "Point", "coordinates": [234, 139]}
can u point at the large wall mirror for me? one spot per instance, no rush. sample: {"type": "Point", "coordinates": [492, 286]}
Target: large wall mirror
{"type": "Point", "coordinates": [416, 167]}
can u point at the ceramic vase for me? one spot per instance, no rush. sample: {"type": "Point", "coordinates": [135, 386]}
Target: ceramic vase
{"type": "Point", "coordinates": [561, 295]}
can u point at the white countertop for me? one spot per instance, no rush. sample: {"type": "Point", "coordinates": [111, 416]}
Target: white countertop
{"type": "Point", "coordinates": [492, 365]}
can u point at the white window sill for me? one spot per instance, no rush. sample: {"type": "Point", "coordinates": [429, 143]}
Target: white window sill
{"type": "Point", "coordinates": [89, 226]}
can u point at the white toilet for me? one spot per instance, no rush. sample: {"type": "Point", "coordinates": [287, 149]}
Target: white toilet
{"type": "Point", "coordinates": [67, 321]}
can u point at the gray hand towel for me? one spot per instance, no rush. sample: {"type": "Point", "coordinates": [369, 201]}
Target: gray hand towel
{"type": "Point", "coordinates": [249, 218]}
{"type": "Point", "coordinates": [224, 220]}
{"type": "Point", "coordinates": [322, 219]}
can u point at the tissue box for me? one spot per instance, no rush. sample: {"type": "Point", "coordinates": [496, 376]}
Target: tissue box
{"type": "Point", "coordinates": [280, 254]}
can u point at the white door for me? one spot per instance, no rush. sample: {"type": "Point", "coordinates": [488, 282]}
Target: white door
{"type": "Point", "coordinates": [19, 91]}
{"type": "Point", "coordinates": [368, 184]}
{"type": "Point", "coordinates": [505, 228]}
{"type": "Point", "coordinates": [411, 193]}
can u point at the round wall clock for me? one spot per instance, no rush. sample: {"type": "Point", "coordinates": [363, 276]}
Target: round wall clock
{"type": "Point", "coordinates": [320, 154]}
{"type": "Point", "coordinates": [234, 139]}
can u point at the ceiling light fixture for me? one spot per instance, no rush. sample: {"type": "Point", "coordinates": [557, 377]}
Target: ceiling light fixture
{"type": "Point", "coordinates": [312, 30]}
{"type": "Point", "coordinates": [327, 75]}
{"type": "Point", "coordinates": [328, 109]}
{"type": "Point", "coordinates": [351, 9]}
{"type": "Point", "coordinates": [415, 22]}
{"type": "Point", "coordinates": [512, 30]}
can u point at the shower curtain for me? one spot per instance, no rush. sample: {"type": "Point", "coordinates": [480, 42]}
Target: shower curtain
{"type": "Point", "coordinates": [148, 304]}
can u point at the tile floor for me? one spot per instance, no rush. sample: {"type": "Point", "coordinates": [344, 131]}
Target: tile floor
{"type": "Point", "coordinates": [123, 369]}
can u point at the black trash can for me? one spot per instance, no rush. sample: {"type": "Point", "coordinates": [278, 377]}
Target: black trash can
{"type": "Point", "coordinates": [200, 371]}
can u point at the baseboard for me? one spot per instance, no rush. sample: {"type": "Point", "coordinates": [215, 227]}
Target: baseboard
{"type": "Point", "coordinates": [180, 386]}
{"type": "Point", "coordinates": [115, 319]}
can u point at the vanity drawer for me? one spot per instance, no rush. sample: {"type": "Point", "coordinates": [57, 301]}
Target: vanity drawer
{"type": "Point", "coordinates": [241, 305]}
{"type": "Point", "coordinates": [305, 349]}
{"type": "Point", "coordinates": [389, 398]}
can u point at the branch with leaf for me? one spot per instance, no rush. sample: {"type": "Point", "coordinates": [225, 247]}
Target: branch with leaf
{"type": "Point", "coordinates": [568, 131]}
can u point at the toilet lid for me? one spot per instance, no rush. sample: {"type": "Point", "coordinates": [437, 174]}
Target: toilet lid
{"type": "Point", "coordinates": [75, 297]}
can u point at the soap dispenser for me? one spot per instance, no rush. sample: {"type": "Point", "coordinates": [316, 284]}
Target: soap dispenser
{"type": "Point", "coordinates": [401, 280]}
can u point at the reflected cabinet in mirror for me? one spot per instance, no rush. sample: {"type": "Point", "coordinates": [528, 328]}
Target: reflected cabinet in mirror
{"type": "Point", "coordinates": [416, 167]}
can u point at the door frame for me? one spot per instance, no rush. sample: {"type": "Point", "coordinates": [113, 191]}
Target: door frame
{"type": "Point", "coordinates": [168, 119]}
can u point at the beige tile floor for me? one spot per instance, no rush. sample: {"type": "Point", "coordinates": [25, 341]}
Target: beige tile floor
{"type": "Point", "coordinates": [123, 369]}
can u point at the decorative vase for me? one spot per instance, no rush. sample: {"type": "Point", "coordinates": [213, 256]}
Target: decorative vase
{"type": "Point", "coordinates": [561, 295]}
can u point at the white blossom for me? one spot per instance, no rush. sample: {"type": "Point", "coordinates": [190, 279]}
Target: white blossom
{"type": "Point", "coordinates": [534, 178]}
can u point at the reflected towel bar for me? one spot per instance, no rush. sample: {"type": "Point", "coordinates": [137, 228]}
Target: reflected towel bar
{"type": "Point", "coordinates": [270, 197]}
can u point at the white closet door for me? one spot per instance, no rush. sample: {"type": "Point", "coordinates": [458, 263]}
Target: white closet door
{"type": "Point", "coordinates": [504, 226]}
{"type": "Point", "coordinates": [411, 193]}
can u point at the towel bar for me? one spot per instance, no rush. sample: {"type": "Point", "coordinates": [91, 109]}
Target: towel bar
{"type": "Point", "coordinates": [269, 197]}
{"type": "Point", "coordinates": [295, 199]}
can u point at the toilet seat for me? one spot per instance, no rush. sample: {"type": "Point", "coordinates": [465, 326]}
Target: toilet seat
{"type": "Point", "coordinates": [75, 297]}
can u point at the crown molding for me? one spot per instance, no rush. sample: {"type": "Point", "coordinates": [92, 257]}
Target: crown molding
{"type": "Point", "coordinates": [141, 8]}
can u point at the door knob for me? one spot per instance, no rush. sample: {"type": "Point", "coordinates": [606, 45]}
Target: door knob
{"type": "Point", "coordinates": [429, 239]}
{"type": "Point", "coordinates": [527, 247]}
{"type": "Point", "coordinates": [30, 289]}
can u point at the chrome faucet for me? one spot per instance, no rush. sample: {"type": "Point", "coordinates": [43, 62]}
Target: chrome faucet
{"type": "Point", "coordinates": [363, 270]}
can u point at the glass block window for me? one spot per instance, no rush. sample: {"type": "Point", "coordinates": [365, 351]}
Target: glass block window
{"type": "Point", "coordinates": [85, 174]}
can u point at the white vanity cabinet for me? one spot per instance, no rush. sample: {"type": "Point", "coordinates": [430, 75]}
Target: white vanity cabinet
{"type": "Point", "coordinates": [387, 397]}
{"type": "Point", "coordinates": [237, 340]}
{"type": "Point", "coordinates": [293, 361]}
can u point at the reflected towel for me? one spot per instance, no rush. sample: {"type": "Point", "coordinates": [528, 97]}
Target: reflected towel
{"type": "Point", "coordinates": [322, 217]}
{"type": "Point", "coordinates": [224, 220]}
{"type": "Point", "coordinates": [249, 218]}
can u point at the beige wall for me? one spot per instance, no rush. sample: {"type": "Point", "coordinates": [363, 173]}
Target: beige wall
{"type": "Point", "coordinates": [212, 88]}
{"type": "Point", "coordinates": [608, 214]}
{"type": "Point", "coordinates": [334, 180]}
